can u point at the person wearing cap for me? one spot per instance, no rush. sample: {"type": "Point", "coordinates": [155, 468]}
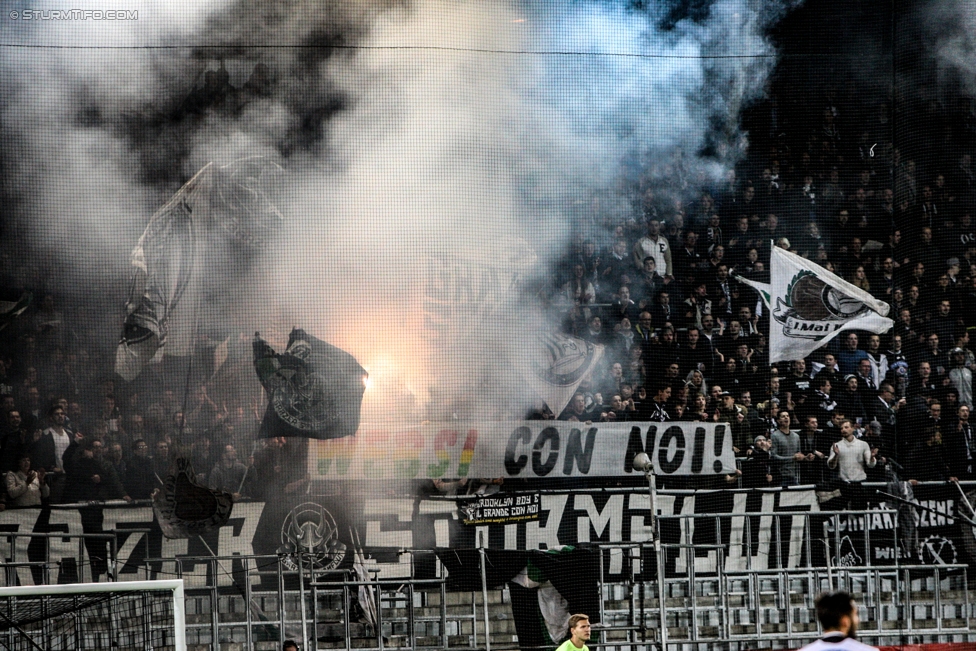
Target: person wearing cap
{"type": "Point", "coordinates": [757, 470]}
{"type": "Point", "coordinates": [962, 341]}
{"type": "Point", "coordinates": [960, 376]}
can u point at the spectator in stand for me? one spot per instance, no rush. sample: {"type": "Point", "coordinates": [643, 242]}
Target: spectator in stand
{"type": "Point", "coordinates": [866, 384]}
{"type": "Point", "coordinates": [852, 457]}
{"type": "Point", "coordinates": [797, 385]}
{"type": "Point", "coordinates": [850, 355]}
{"type": "Point", "coordinates": [663, 314]}
{"type": "Point", "coordinates": [849, 399]}
{"type": "Point", "coordinates": [16, 442]}
{"type": "Point", "coordinates": [696, 354]}
{"type": "Point", "coordinates": [579, 290]}
{"type": "Point", "coordinates": [697, 305]}
{"type": "Point", "coordinates": [821, 402]}
{"type": "Point", "coordinates": [203, 414]}
{"type": "Point", "coordinates": [661, 394]}
{"type": "Point", "coordinates": [229, 473]}
{"type": "Point", "coordinates": [622, 308]}
{"type": "Point", "coordinates": [961, 444]}
{"type": "Point", "coordinates": [926, 461]}
{"type": "Point", "coordinates": [140, 480]}
{"type": "Point", "coordinates": [26, 487]}
{"type": "Point", "coordinates": [687, 261]}
{"type": "Point", "coordinates": [649, 283]}
{"type": "Point", "coordinates": [653, 244]}
{"type": "Point", "coordinates": [595, 333]}
{"type": "Point", "coordinates": [757, 468]}
{"type": "Point", "coordinates": [202, 457]}
{"type": "Point", "coordinates": [116, 456]}
{"type": "Point", "coordinates": [161, 461]}
{"type": "Point", "coordinates": [785, 452]}
{"type": "Point", "coordinates": [49, 450]}
{"type": "Point", "coordinates": [644, 330]}
{"type": "Point", "coordinates": [617, 267]}
{"type": "Point", "coordinates": [828, 368]}
{"type": "Point", "coordinates": [961, 377]}
{"type": "Point", "coordinates": [32, 414]}
{"type": "Point", "coordinates": [110, 414]}
{"type": "Point", "coordinates": [90, 477]}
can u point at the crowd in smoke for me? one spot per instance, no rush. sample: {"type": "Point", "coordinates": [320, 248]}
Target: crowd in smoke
{"type": "Point", "coordinates": [833, 183]}
{"type": "Point", "coordinates": [648, 273]}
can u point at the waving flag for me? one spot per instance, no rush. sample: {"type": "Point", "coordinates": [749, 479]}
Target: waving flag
{"type": "Point", "coordinates": [556, 364]}
{"type": "Point", "coordinates": [315, 390]}
{"type": "Point", "coordinates": [809, 306]}
{"type": "Point", "coordinates": [184, 508]}
{"type": "Point", "coordinates": [193, 248]}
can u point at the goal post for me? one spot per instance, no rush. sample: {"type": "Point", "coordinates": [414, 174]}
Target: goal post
{"type": "Point", "coordinates": [128, 614]}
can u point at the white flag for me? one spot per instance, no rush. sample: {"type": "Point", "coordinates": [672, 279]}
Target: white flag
{"type": "Point", "coordinates": [556, 364]}
{"type": "Point", "coordinates": [809, 306]}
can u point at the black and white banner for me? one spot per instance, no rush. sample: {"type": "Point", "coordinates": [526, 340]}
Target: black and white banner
{"type": "Point", "coordinates": [499, 508]}
{"type": "Point", "coordinates": [523, 449]}
{"type": "Point", "coordinates": [747, 529]}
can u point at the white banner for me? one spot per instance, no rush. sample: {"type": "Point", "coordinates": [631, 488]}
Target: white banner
{"type": "Point", "coordinates": [523, 449]}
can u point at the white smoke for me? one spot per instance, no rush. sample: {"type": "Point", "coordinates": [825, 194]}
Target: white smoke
{"type": "Point", "coordinates": [468, 129]}
{"type": "Point", "coordinates": [951, 38]}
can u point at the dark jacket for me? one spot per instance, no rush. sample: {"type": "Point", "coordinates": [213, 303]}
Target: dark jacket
{"type": "Point", "coordinates": [81, 470]}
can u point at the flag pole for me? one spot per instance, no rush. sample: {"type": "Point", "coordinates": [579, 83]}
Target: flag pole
{"type": "Point", "coordinates": [643, 463]}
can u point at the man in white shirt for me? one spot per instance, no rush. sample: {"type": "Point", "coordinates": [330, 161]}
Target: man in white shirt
{"type": "Point", "coordinates": [656, 246]}
{"type": "Point", "coordinates": [49, 451]}
{"type": "Point", "coordinates": [852, 456]}
{"type": "Point", "coordinates": [837, 613]}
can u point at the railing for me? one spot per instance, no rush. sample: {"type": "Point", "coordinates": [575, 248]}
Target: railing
{"type": "Point", "coordinates": [763, 598]}
{"type": "Point", "coordinates": [44, 567]}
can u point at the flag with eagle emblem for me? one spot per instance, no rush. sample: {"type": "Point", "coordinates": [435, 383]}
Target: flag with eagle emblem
{"type": "Point", "coordinates": [809, 306]}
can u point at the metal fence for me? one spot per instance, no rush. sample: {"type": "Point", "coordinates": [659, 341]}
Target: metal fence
{"type": "Point", "coordinates": [741, 581]}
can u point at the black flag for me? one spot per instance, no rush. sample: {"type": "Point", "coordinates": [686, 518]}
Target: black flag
{"type": "Point", "coordinates": [184, 508]}
{"type": "Point", "coordinates": [315, 390]}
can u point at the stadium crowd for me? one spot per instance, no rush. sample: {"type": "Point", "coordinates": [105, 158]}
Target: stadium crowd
{"type": "Point", "coordinates": [650, 275]}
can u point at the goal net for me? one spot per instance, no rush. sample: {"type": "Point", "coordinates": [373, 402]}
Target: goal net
{"type": "Point", "coordinates": [130, 615]}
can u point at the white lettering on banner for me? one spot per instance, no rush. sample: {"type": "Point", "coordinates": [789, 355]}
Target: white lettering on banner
{"type": "Point", "coordinates": [612, 515]}
{"type": "Point", "coordinates": [124, 519]}
{"type": "Point", "coordinates": [687, 529]}
{"type": "Point", "coordinates": [789, 501]}
{"type": "Point", "coordinates": [539, 536]}
{"type": "Point", "coordinates": [397, 538]}
{"type": "Point", "coordinates": [14, 548]}
{"type": "Point", "coordinates": [871, 521]}
{"type": "Point", "coordinates": [241, 543]}
{"type": "Point", "coordinates": [523, 449]}
{"type": "Point", "coordinates": [640, 528]}
{"type": "Point", "coordinates": [945, 510]}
